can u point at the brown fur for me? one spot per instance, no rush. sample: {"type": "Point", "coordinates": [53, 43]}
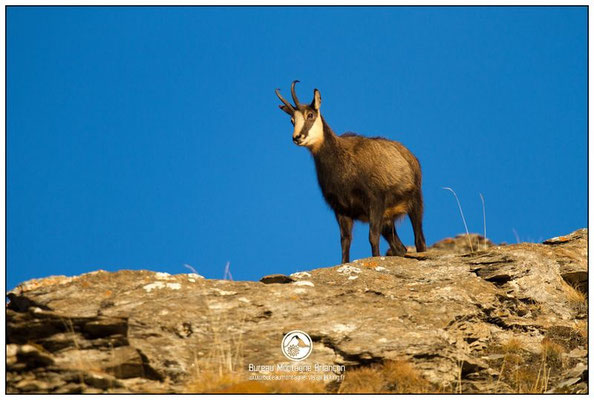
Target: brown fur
{"type": "Point", "coordinates": [373, 180]}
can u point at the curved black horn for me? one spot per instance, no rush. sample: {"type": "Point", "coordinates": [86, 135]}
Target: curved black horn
{"type": "Point", "coordinates": [295, 99]}
{"type": "Point", "coordinates": [285, 102]}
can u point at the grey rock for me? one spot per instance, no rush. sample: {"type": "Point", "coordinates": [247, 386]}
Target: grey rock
{"type": "Point", "coordinates": [277, 278]}
{"type": "Point", "coordinates": [463, 244]}
{"type": "Point", "coordinates": [33, 356]}
{"type": "Point", "coordinates": [564, 385]}
{"type": "Point", "coordinates": [579, 371]}
{"type": "Point", "coordinates": [446, 311]}
{"type": "Point", "coordinates": [578, 353]}
{"type": "Point", "coordinates": [102, 381]}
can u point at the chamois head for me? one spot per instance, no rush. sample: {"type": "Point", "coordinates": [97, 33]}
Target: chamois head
{"type": "Point", "coordinates": [306, 118]}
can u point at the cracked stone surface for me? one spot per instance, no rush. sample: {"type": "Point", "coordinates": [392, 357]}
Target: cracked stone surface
{"type": "Point", "coordinates": [443, 310]}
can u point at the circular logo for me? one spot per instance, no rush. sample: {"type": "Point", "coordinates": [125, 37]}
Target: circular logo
{"type": "Point", "coordinates": [296, 345]}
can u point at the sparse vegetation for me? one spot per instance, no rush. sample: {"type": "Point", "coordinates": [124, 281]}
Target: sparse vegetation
{"type": "Point", "coordinates": [522, 370]}
{"type": "Point", "coordinates": [363, 380]}
{"type": "Point", "coordinates": [462, 215]}
{"type": "Point", "coordinates": [468, 236]}
{"type": "Point", "coordinates": [238, 382]}
{"type": "Point", "coordinates": [577, 298]}
{"type": "Point", "coordinates": [484, 222]}
{"type": "Point", "coordinates": [568, 337]}
{"type": "Point", "coordinates": [581, 328]}
{"type": "Point", "coordinates": [469, 327]}
{"type": "Point", "coordinates": [512, 346]}
{"type": "Point", "coordinates": [230, 376]}
{"type": "Point", "coordinates": [552, 351]}
{"type": "Point", "coordinates": [398, 376]}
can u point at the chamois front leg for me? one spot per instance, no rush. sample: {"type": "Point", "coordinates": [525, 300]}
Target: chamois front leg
{"type": "Point", "coordinates": [346, 234]}
{"type": "Point", "coordinates": [375, 228]}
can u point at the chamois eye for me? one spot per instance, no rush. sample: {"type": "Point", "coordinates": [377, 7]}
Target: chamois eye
{"type": "Point", "coordinates": [310, 116]}
{"type": "Point", "coordinates": [293, 121]}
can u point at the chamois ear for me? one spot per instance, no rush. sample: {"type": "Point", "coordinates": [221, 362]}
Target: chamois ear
{"type": "Point", "coordinates": [317, 100]}
{"type": "Point", "coordinates": [286, 109]}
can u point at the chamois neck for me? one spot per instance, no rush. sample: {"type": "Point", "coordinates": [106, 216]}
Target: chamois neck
{"type": "Point", "coordinates": [329, 139]}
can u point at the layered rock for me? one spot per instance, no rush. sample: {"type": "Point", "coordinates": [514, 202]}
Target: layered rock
{"type": "Point", "coordinates": [451, 313]}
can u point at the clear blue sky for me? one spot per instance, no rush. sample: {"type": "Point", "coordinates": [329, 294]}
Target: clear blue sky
{"type": "Point", "coordinates": [150, 138]}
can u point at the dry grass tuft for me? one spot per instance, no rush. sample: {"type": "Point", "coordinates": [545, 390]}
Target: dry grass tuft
{"type": "Point", "coordinates": [208, 381]}
{"type": "Point", "coordinates": [527, 372]}
{"type": "Point", "coordinates": [396, 376]}
{"type": "Point", "coordinates": [222, 369]}
{"type": "Point", "coordinates": [551, 350]}
{"type": "Point", "coordinates": [575, 296]}
{"type": "Point", "coordinates": [238, 382]}
{"type": "Point", "coordinates": [581, 328]}
{"type": "Point", "coordinates": [512, 346]}
{"type": "Point", "coordinates": [363, 380]}
{"type": "Point", "coordinates": [406, 377]}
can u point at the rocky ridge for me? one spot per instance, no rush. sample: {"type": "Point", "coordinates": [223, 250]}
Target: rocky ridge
{"type": "Point", "coordinates": [466, 321]}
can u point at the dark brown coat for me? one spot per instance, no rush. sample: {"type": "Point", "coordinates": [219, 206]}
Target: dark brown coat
{"type": "Point", "coordinates": [373, 180]}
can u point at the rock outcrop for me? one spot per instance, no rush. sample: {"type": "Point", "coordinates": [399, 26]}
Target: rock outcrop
{"type": "Point", "coordinates": [465, 321]}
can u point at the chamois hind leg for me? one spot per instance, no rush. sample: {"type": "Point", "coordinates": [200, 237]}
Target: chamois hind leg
{"type": "Point", "coordinates": [389, 233]}
{"type": "Point", "coordinates": [416, 219]}
{"type": "Point", "coordinates": [346, 234]}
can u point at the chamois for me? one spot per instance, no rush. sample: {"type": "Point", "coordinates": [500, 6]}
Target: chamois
{"type": "Point", "coordinates": [373, 180]}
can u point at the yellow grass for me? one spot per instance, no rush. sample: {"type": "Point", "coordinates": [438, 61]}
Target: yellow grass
{"type": "Point", "coordinates": [526, 372]}
{"type": "Point", "coordinates": [363, 380]}
{"type": "Point", "coordinates": [222, 369]}
{"type": "Point", "coordinates": [397, 376]}
{"type": "Point", "coordinates": [238, 382]}
{"type": "Point", "coordinates": [512, 346]}
{"type": "Point", "coordinates": [391, 377]}
{"type": "Point", "coordinates": [551, 350]}
{"type": "Point", "coordinates": [581, 327]}
{"type": "Point", "coordinates": [574, 295]}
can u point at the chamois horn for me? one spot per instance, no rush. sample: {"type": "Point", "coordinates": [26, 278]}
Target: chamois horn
{"type": "Point", "coordinates": [285, 102]}
{"type": "Point", "coordinates": [295, 99]}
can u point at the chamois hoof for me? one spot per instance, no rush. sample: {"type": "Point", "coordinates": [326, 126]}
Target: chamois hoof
{"type": "Point", "coordinates": [396, 253]}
